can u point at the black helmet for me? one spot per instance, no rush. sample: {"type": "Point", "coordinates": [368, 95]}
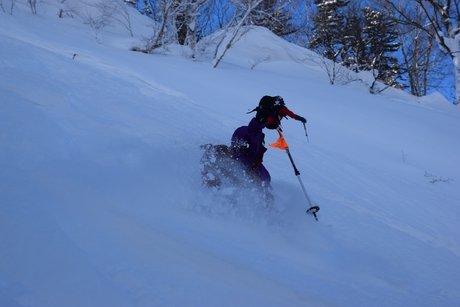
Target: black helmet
{"type": "Point", "coordinates": [279, 101]}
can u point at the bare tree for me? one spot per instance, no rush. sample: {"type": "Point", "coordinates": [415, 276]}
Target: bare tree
{"type": "Point", "coordinates": [176, 22]}
{"type": "Point", "coordinates": [337, 73]}
{"type": "Point", "coordinates": [33, 6]}
{"type": "Point", "coordinates": [185, 19]}
{"type": "Point", "coordinates": [165, 13]}
{"type": "Point", "coordinates": [242, 11]}
{"type": "Point", "coordinates": [67, 11]}
{"type": "Point", "coordinates": [422, 62]}
{"type": "Point", "coordinates": [98, 23]}
{"type": "Point", "coordinates": [214, 16]}
{"type": "Point", "coordinates": [275, 15]}
{"type": "Point", "coordinates": [192, 9]}
{"type": "Point", "coordinates": [109, 11]}
{"type": "Point", "coordinates": [443, 26]}
{"type": "Point", "coordinates": [121, 14]}
{"type": "Point", "coordinates": [305, 19]}
{"type": "Point", "coordinates": [10, 4]}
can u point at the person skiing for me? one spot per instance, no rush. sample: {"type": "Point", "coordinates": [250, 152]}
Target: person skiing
{"type": "Point", "coordinates": [222, 163]}
{"type": "Point", "coordinates": [247, 146]}
{"type": "Point", "coordinates": [278, 111]}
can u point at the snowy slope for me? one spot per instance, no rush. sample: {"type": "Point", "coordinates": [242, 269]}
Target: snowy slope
{"type": "Point", "coordinates": [100, 195]}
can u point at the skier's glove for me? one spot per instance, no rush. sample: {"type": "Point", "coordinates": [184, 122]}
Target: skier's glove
{"type": "Point", "coordinates": [300, 118]}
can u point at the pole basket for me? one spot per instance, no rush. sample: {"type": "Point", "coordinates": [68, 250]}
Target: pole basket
{"type": "Point", "coordinates": [313, 210]}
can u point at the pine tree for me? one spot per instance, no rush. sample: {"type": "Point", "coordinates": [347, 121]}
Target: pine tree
{"type": "Point", "coordinates": [354, 50]}
{"type": "Point", "coordinates": [327, 29]}
{"type": "Point", "coordinates": [381, 39]}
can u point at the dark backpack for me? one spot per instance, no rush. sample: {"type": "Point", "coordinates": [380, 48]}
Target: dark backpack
{"type": "Point", "coordinates": [269, 104]}
{"type": "Point", "coordinates": [266, 103]}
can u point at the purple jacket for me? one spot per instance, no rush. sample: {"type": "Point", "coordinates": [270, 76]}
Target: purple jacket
{"type": "Point", "coordinates": [247, 141]}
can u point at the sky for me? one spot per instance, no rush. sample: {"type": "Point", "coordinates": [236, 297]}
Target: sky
{"type": "Point", "coordinates": [101, 202]}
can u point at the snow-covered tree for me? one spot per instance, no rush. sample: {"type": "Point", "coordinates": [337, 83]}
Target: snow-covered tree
{"type": "Point", "coordinates": [328, 25]}
{"type": "Point", "coordinates": [443, 25]}
{"type": "Point", "coordinates": [187, 22]}
{"type": "Point", "coordinates": [274, 15]}
{"type": "Point", "coordinates": [381, 39]}
{"type": "Point", "coordinates": [353, 54]}
{"type": "Point", "coordinates": [423, 64]}
{"type": "Point", "coordinates": [214, 16]}
{"type": "Point", "coordinates": [235, 28]}
{"type": "Point", "coordinates": [176, 22]}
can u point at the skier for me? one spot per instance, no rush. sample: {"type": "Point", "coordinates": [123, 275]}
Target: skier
{"type": "Point", "coordinates": [278, 111]}
{"type": "Point", "coordinates": [248, 147]}
{"type": "Point", "coordinates": [222, 163]}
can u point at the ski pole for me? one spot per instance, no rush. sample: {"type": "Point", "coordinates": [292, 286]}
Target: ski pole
{"type": "Point", "coordinates": [306, 133]}
{"type": "Point", "coordinates": [281, 144]}
{"type": "Point", "coordinates": [312, 209]}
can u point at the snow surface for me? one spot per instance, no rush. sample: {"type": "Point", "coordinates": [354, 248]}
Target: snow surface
{"type": "Point", "coordinates": [101, 202]}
